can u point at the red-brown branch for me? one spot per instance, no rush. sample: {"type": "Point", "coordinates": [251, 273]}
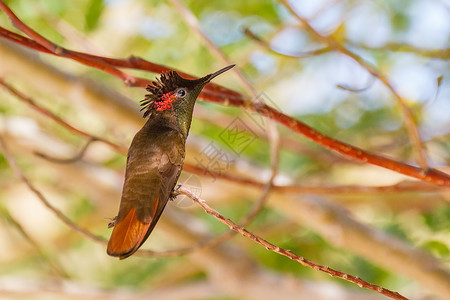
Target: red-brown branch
{"type": "Point", "coordinates": [133, 62]}
{"type": "Point", "coordinates": [352, 152]}
{"type": "Point", "coordinates": [217, 94]}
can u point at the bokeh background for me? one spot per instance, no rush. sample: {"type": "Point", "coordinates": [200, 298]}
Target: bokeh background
{"type": "Point", "coordinates": [397, 237]}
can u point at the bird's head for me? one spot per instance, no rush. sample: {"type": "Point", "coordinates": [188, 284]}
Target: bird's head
{"type": "Point", "coordinates": [176, 95]}
{"type": "Point", "coordinates": [171, 91]}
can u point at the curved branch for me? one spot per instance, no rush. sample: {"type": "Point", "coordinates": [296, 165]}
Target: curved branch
{"type": "Point", "coordinates": [402, 47]}
{"type": "Point", "coordinates": [349, 88]}
{"type": "Point", "coordinates": [69, 160]}
{"type": "Point", "coordinates": [267, 46]}
{"type": "Point", "coordinates": [53, 264]}
{"type": "Point", "coordinates": [443, 54]}
{"type": "Point", "coordinates": [24, 98]}
{"type": "Point", "coordinates": [13, 164]}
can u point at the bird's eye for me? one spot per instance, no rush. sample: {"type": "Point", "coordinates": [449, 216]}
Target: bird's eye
{"type": "Point", "coordinates": [181, 93]}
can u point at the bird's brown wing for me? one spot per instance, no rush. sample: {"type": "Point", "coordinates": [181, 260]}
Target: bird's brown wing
{"type": "Point", "coordinates": [154, 164]}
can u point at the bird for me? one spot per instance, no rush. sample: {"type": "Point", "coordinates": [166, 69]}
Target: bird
{"type": "Point", "coordinates": [155, 159]}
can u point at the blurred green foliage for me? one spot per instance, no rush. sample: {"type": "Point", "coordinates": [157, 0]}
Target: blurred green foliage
{"type": "Point", "coordinates": [370, 119]}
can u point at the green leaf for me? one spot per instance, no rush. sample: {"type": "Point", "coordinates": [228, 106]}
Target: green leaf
{"type": "Point", "coordinates": [93, 14]}
{"type": "Point", "coordinates": [437, 248]}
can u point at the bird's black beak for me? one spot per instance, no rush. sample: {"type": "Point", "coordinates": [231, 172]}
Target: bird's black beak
{"type": "Point", "coordinates": [209, 77]}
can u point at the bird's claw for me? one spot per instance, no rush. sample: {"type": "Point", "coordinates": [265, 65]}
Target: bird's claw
{"type": "Point", "coordinates": [175, 192]}
{"type": "Point", "coordinates": [112, 222]}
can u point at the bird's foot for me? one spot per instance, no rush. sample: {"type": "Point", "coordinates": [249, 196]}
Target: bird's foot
{"type": "Point", "coordinates": [112, 222]}
{"type": "Point", "coordinates": [175, 192]}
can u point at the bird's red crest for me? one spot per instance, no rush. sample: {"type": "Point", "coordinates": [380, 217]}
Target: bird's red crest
{"type": "Point", "coordinates": [162, 90]}
{"type": "Point", "coordinates": [166, 102]}
{"type": "Point", "coordinates": [162, 93]}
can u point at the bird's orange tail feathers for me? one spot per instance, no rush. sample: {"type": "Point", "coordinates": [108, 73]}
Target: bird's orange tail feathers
{"type": "Point", "coordinates": [127, 235]}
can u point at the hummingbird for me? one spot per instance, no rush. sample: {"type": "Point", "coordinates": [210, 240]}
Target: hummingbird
{"type": "Point", "coordinates": [155, 159]}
